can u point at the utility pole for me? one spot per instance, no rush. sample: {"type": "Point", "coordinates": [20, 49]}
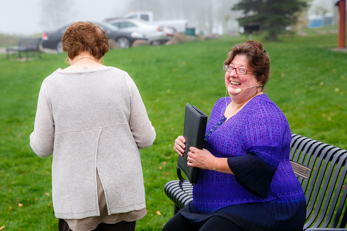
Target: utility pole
{"type": "Point", "coordinates": [342, 22]}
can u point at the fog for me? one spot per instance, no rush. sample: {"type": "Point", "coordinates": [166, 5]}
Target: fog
{"type": "Point", "coordinates": [26, 17]}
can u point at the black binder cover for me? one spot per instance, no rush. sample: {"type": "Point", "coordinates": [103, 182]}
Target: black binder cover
{"type": "Point", "coordinates": [194, 131]}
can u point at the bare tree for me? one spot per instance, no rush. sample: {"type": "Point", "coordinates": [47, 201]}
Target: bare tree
{"type": "Point", "coordinates": [55, 13]}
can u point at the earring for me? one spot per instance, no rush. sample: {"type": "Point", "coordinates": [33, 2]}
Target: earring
{"type": "Point", "coordinates": [102, 62]}
{"type": "Point", "coordinates": [67, 61]}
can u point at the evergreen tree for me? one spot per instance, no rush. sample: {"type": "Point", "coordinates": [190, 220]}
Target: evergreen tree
{"type": "Point", "coordinates": [272, 15]}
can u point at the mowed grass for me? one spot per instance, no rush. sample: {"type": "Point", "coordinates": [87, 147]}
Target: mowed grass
{"type": "Point", "coordinates": [308, 82]}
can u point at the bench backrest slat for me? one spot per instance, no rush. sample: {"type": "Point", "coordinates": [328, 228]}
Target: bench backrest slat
{"type": "Point", "coordinates": [337, 188]}
{"type": "Point", "coordinates": [310, 147]}
{"type": "Point", "coordinates": [29, 43]}
{"type": "Point", "coordinates": [315, 163]}
{"type": "Point", "coordinates": [342, 207]}
{"type": "Point", "coordinates": [323, 192]}
{"type": "Point", "coordinates": [296, 141]}
{"type": "Point", "coordinates": [325, 189]}
{"type": "Point", "coordinates": [314, 200]}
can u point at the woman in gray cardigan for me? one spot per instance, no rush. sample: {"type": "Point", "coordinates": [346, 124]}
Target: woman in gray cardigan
{"type": "Point", "coordinates": [93, 120]}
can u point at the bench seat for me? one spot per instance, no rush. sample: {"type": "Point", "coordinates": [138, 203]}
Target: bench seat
{"type": "Point", "coordinates": [324, 188]}
{"type": "Point", "coordinates": [26, 45]}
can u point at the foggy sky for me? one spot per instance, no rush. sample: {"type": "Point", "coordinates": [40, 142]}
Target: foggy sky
{"type": "Point", "coordinates": [22, 17]}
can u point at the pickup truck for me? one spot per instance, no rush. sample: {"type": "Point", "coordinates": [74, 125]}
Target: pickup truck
{"type": "Point", "coordinates": [178, 25]}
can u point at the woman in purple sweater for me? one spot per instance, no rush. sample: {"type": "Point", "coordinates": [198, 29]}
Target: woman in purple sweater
{"type": "Point", "coordinates": [246, 181]}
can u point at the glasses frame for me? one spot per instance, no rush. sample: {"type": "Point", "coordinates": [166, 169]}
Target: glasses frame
{"type": "Point", "coordinates": [236, 69]}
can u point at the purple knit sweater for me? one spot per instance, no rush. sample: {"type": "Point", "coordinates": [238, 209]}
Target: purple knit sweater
{"type": "Point", "coordinates": [256, 142]}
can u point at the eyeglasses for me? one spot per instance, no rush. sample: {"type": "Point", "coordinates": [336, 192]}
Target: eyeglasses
{"type": "Point", "coordinates": [238, 70]}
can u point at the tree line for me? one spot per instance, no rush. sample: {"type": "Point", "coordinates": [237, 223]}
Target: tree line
{"type": "Point", "coordinates": [207, 16]}
{"type": "Point", "coordinates": [226, 16]}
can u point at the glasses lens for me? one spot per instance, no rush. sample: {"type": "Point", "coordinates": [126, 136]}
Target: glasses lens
{"type": "Point", "coordinates": [242, 71]}
{"type": "Point", "coordinates": [230, 68]}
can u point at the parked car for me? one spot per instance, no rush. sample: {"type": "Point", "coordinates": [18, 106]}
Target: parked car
{"type": "Point", "coordinates": [178, 25]}
{"type": "Point", "coordinates": [153, 33]}
{"type": "Point", "coordinates": [124, 39]}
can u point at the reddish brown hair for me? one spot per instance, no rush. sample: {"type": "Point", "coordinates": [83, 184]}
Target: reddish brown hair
{"type": "Point", "coordinates": [85, 36]}
{"type": "Point", "coordinates": [257, 58]}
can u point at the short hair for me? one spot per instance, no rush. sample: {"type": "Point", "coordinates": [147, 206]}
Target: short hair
{"type": "Point", "coordinates": [257, 59]}
{"type": "Point", "coordinates": [85, 36]}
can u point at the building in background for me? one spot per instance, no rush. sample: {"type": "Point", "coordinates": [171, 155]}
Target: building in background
{"type": "Point", "coordinates": [322, 13]}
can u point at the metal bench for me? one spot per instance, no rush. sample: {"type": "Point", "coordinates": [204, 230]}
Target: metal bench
{"type": "Point", "coordinates": [26, 45]}
{"type": "Point", "coordinates": [324, 188]}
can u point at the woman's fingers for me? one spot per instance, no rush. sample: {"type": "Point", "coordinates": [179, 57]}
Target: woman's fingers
{"type": "Point", "coordinates": [199, 158]}
{"type": "Point", "coordinates": [179, 150]}
{"type": "Point", "coordinates": [180, 145]}
{"type": "Point", "coordinates": [181, 141]}
{"type": "Point", "coordinates": [181, 138]}
{"type": "Point", "coordinates": [189, 159]}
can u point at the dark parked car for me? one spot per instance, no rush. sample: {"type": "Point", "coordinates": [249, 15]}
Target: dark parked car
{"type": "Point", "coordinates": [124, 39]}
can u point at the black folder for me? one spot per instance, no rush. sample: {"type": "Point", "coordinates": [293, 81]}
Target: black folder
{"type": "Point", "coordinates": [194, 131]}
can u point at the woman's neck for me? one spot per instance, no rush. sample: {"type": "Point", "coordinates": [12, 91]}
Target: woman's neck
{"type": "Point", "coordinates": [83, 55]}
{"type": "Point", "coordinates": [240, 103]}
{"type": "Point", "coordinates": [84, 60]}
{"type": "Point", "coordinates": [236, 105]}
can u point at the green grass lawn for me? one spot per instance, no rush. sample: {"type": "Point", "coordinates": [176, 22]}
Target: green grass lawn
{"type": "Point", "coordinates": [308, 82]}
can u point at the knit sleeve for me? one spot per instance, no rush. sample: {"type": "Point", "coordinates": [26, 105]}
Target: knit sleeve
{"type": "Point", "coordinates": [140, 125]}
{"type": "Point", "coordinates": [253, 172]}
{"type": "Point", "coordinates": [42, 138]}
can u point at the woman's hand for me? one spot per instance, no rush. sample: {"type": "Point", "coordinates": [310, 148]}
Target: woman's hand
{"type": "Point", "coordinates": [201, 158]}
{"type": "Point", "coordinates": [180, 145]}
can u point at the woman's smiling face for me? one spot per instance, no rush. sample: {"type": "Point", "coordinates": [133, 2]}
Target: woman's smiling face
{"type": "Point", "coordinates": [235, 80]}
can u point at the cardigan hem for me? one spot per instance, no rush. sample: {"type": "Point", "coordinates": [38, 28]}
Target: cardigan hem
{"type": "Point", "coordinates": [95, 213]}
{"type": "Point", "coordinates": [127, 209]}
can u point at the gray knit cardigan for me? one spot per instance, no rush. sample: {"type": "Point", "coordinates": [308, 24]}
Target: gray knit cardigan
{"type": "Point", "coordinates": [92, 120]}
